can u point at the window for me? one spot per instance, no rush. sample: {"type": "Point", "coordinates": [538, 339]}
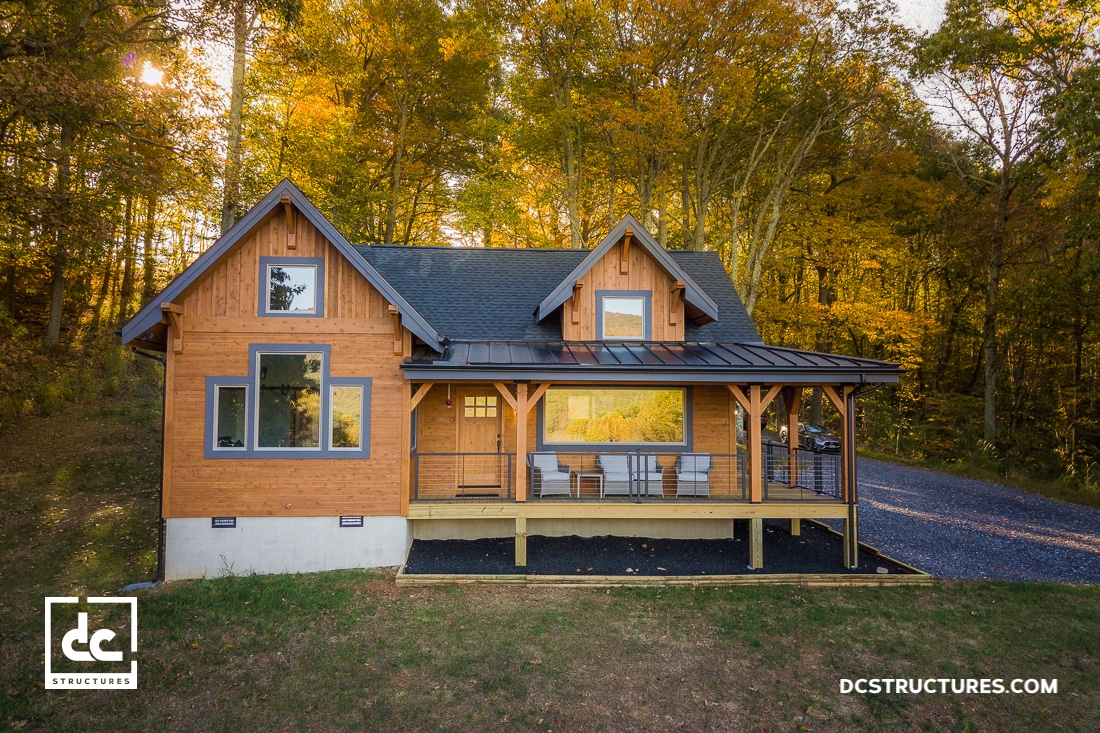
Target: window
{"type": "Point", "coordinates": [623, 315]}
{"type": "Point", "coordinates": [346, 417]}
{"type": "Point", "coordinates": [643, 416]}
{"type": "Point", "coordinates": [292, 286]}
{"type": "Point", "coordinates": [288, 407]}
{"type": "Point", "coordinates": [481, 406]}
{"type": "Point", "coordinates": [231, 411]}
{"type": "Point", "coordinates": [288, 410]}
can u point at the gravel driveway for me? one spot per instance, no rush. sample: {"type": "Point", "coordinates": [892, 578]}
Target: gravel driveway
{"type": "Point", "coordinates": [960, 528]}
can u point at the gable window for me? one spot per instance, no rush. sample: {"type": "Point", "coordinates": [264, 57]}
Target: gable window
{"type": "Point", "coordinates": [288, 407]}
{"type": "Point", "coordinates": [292, 286]}
{"type": "Point", "coordinates": [623, 315]}
{"type": "Point", "coordinates": [611, 415]}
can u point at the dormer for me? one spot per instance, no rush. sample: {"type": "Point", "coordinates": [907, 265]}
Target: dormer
{"type": "Point", "coordinates": [627, 289]}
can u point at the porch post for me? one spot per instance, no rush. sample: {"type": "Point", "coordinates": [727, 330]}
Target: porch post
{"type": "Point", "coordinates": [521, 454]}
{"type": "Point", "coordinates": [793, 398]}
{"type": "Point", "coordinates": [756, 447]}
{"type": "Point", "coordinates": [851, 529]}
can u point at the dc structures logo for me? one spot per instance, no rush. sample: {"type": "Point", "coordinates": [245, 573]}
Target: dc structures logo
{"type": "Point", "coordinates": [80, 647]}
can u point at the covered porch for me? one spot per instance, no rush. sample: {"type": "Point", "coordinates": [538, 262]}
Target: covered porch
{"type": "Point", "coordinates": [530, 443]}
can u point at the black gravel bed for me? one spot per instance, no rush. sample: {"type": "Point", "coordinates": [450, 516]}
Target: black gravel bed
{"type": "Point", "coordinates": [956, 527]}
{"type": "Point", "coordinates": [815, 551]}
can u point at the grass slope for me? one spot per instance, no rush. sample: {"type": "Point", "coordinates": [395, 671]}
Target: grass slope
{"type": "Point", "coordinates": [351, 651]}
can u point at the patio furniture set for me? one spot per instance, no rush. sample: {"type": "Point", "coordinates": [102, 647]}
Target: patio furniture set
{"type": "Point", "coordinates": [634, 474]}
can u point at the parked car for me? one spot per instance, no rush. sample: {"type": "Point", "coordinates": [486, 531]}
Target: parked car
{"type": "Point", "coordinates": [813, 437]}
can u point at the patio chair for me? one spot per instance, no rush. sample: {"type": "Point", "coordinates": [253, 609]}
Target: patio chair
{"type": "Point", "coordinates": [548, 477]}
{"type": "Point", "coordinates": [616, 474]}
{"type": "Point", "coordinates": [649, 477]}
{"type": "Point", "coordinates": [693, 474]}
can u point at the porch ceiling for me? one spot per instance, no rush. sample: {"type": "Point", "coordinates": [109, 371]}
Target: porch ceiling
{"type": "Point", "coordinates": [586, 361]}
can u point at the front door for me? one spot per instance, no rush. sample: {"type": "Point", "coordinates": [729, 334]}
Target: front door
{"type": "Point", "coordinates": [479, 434]}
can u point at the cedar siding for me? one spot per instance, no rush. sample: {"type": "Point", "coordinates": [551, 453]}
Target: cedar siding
{"type": "Point", "coordinates": [220, 321]}
{"type": "Point", "coordinates": [643, 273]}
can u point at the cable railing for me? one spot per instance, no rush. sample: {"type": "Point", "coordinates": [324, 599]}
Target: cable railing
{"type": "Point", "coordinates": [804, 476]}
{"type": "Point", "coordinates": [472, 476]}
{"type": "Point", "coordinates": [635, 476]}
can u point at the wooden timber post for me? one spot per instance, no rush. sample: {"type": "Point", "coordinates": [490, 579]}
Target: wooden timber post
{"type": "Point", "coordinates": [521, 542]}
{"type": "Point", "coordinates": [756, 447]}
{"type": "Point", "coordinates": [521, 441]}
{"type": "Point", "coordinates": [851, 529]}
{"type": "Point", "coordinates": [756, 543]}
{"type": "Point", "coordinates": [792, 399]}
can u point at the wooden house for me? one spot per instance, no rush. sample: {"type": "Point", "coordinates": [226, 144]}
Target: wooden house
{"type": "Point", "coordinates": [327, 403]}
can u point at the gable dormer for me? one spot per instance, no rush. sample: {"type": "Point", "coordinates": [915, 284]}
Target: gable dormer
{"type": "Point", "coordinates": [628, 289]}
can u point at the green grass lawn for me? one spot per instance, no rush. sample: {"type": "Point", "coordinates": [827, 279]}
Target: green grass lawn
{"type": "Point", "coordinates": [352, 651]}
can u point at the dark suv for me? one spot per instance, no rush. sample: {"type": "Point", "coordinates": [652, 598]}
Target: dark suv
{"type": "Point", "coordinates": [813, 437]}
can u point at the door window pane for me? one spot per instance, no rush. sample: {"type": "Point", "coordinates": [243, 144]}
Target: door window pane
{"type": "Point", "coordinates": [230, 417]}
{"type": "Point", "coordinates": [614, 416]}
{"type": "Point", "coordinates": [292, 289]}
{"type": "Point", "coordinates": [347, 417]}
{"type": "Point", "coordinates": [623, 317]}
{"type": "Point", "coordinates": [288, 413]}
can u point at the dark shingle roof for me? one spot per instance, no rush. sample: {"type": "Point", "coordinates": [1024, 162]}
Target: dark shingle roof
{"type": "Point", "coordinates": [491, 294]}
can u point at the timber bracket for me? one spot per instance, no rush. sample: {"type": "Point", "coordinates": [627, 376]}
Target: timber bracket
{"type": "Point", "coordinates": [174, 314]}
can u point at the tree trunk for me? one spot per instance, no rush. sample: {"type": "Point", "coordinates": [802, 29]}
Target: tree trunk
{"type": "Point", "coordinates": [231, 193]}
{"type": "Point", "coordinates": [126, 291]}
{"type": "Point", "coordinates": [148, 262]}
{"type": "Point", "coordinates": [61, 235]}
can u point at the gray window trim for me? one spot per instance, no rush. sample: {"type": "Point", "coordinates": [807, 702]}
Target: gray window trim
{"type": "Point", "coordinates": [364, 414]}
{"type": "Point", "coordinates": [265, 285]}
{"type": "Point", "coordinates": [647, 312]}
{"type": "Point", "coordinates": [689, 437]}
{"type": "Point", "coordinates": [249, 382]}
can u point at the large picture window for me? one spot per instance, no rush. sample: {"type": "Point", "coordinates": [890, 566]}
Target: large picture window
{"type": "Point", "coordinates": [288, 410]}
{"type": "Point", "coordinates": [288, 407]}
{"type": "Point", "coordinates": [601, 416]}
{"type": "Point", "coordinates": [292, 286]}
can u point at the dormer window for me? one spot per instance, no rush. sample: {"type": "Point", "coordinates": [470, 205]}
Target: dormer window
{"type": "Point", "coordinates": [623, 315]}
{"type": "Point", "coordinates": [292, 286]}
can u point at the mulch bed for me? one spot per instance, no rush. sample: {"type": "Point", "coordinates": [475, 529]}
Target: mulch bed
{"type": "Point", "coordinates": [815, 551]}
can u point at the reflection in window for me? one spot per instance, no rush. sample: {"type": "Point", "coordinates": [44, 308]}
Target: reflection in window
{"type": "Point", "coordinates": [614, 416]}
{"type": "Point", "coordinates": [480, 406]}
{"type": "Point", "coordinates": [623, 317]}
{"type": "Point", "coordinates": [347, 417]}
{"type": "Point", "coordinates": [230, 417]}
{"type": "Point", "coordinates": [288, 407]}
{"type": "Point", "coordinates": [292, 289]}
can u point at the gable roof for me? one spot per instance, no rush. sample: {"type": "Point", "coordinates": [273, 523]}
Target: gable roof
{"type": "Point", "coordinates": [138, 328]}
{"type": "Point", "coordinates": [693, 294]}
{"type": "Point", "coordinates": [492, 293]}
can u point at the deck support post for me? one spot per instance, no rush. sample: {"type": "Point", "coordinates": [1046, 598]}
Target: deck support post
{"type": "Point", "coordinates": [756, 543]}
{"type": "Point", "coordinates": [851, 539]}
{"type": "Point", "coordinates": [521, 542]}
{"type": "Point", "coordinates": [796, 527]}
{"type": "Point", "coordinates": [521, 452]}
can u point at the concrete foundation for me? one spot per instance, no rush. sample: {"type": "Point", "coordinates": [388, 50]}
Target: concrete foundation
{"type": "Point", "coordinates": [193, 549]}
